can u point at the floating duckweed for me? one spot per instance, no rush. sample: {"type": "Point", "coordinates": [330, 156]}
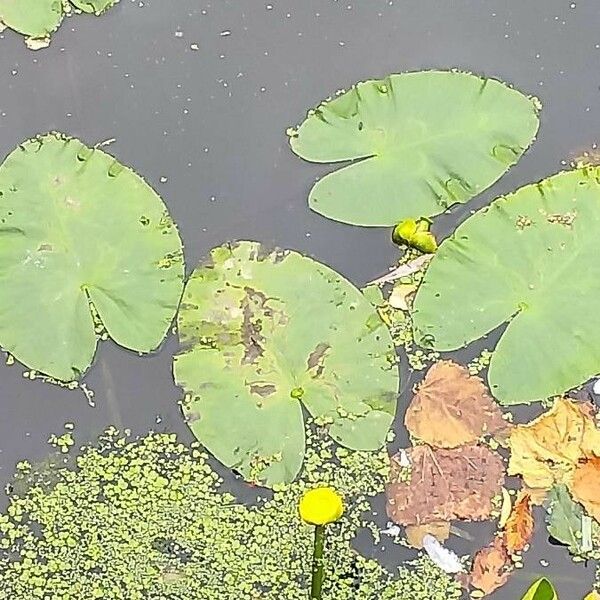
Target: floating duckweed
{"type": "Point", "coordinates": [399, 321]}
{"type": "Point", "coordinates": [480, 363]}
{"type": "Point", "coordinates": [147, 519]}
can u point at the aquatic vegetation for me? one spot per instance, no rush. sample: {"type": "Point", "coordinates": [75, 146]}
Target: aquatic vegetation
{"type": "Point", "coordinates": [150, 519]}
{"type": "Point", "coordinates": [84, 241]}
{"type": "Point", "coordinates": [266, 333]}
{"type": "Point", "coordinates": [529, 260]}
{"type": "Point", "coordinates": [37, 20]}
{"type": "Point", "coordinates": [412, 159]}
{"type": "Point", "coordinates": [415, 234]}
{"type": "Point", "coordinates": [320, 506]}
{"type": "Point", "coordinates": [542, 589]}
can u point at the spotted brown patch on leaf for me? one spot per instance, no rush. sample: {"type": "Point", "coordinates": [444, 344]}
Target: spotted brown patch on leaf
{"type": "Point", "coordinates": [444, 484]}
{"type": "Point", "coordinates": [316, 360]}
{"type": "Point", "coordinates": [452, 408]}
{"type": "Point", "coordinates": [252, 338]}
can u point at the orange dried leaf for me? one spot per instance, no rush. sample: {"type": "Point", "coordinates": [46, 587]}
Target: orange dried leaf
{"type": "Point", "coordinates": [585, 486]}
{"type": "Point", "coordinates": [452, 408]}
{"type": "Point", "coordinates": [491, 567]}
{"type": "Point", "coordinates": [519, 527]}
{"type": "Point", "coordinates": [547, 450]}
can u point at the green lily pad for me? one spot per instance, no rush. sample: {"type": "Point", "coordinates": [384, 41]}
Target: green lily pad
{"type": "Point", "coordinates": [77, 227]}
{"type": "Point", "coordinates": [420, 141]}
{"type": "Point", "coordinates": [96, 7]}
{"type": "Point", "coordinates": [542, 589]}
{"type": "Point", "coordinates": [33, 18]}
{"type": "Point", "coordinates": [266, 334]}
{"type": "Point", "coordinates": [530, 259]}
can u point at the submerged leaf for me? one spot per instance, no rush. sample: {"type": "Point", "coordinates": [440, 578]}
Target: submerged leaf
{"type": "Point", "coordinates": [519, 525]}
{"type": "Point", "coordinates": [442, 485]}
{"type": "Point", "coordinates": [492, 567]}
{"type": "Point", "coordinates": [77, 227]}
{"type": "Point", "coordinates": [266, 333]}
{"type": "Point", "coordinates": [564, 518]}
{"type": "Point", "coordinates": [523, 259]}
{"type": "Point", "coordinates": [452, 408]}
{"type": "Point", "coordinates": [411, 158]}
{"type": "Point", "coordinates": [542, 589]}
{"type": "Point", "coordinates": [548, 449]}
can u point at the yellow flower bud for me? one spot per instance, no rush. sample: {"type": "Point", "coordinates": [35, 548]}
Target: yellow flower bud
{"type": "Point", "coordinates": [321, 506]}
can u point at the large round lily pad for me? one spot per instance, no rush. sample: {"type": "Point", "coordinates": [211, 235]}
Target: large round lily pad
{"type": "Point", "coordinates": [530, 259]}
{"type": "Point", "coordinates": [265, 334]}
{"type": "Point", "coordinates": [33, 18]}
{"type": "Point", "coordinates": [76, 226]}
{"type": "Point", "coordinates": [421, 141]}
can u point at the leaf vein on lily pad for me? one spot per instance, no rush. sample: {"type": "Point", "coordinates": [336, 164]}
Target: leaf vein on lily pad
{"type": "Point", "coordinates": [408, 157]}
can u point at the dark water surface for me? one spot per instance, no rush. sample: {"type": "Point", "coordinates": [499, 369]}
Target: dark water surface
{"type": "Point", "coordinates": [212, 122]}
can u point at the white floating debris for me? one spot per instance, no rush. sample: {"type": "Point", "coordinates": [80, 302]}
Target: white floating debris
{"type": "Point", "coordinates": [404, 460]}
{"type": "Point", "coordinates": [445, 559]}
{"type": "Point", "coordinates": [392, 530]}
{"type": "Point", "coordinates": [194, 47]}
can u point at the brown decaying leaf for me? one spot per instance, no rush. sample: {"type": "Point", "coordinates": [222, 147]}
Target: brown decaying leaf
{"type": "Point", "coordinates": [519, 526]}
{"type": "Point", "coordinates": [585, 486]}
{"type": "Point", "coordinates": [440, 530]}
{"type": "Point", "coordinates": [491, 567]}
{"type": "Point", "coordinates": [444, 485]}
{"type": "Point", "coordinates": [452, 408]}
{"type": "Point", "coordinates": [548, 450]}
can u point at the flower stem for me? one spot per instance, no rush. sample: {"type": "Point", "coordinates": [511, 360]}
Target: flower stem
{"type": "Point", "coordinates": [318, 572]}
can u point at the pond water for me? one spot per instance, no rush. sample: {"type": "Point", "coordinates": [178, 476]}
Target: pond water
{"type": "Point", "coordinates": [198, 97]}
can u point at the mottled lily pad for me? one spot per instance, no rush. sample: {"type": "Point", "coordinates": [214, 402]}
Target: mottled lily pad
{"type": "Point", "coordinates": [78, 227]}
{"type": "Point", "coordinates": [530, 259]}
{"type": "Point", "coordinates": [266, 334]}
{"type": "Point", "coordinates": [420, 142]}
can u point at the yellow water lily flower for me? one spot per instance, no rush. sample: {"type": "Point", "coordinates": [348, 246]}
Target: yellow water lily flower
{"type": "Point", "coordinates": [321, 506]}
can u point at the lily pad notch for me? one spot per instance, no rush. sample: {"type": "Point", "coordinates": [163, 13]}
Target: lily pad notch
{"type": "Point", "coordinates": [409, 157]}
{"type": "Point", "coordinates": [267, 334]}
{"type": "Point", "coordinates": [85, 244]}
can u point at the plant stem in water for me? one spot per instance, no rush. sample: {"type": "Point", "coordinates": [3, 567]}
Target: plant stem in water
{"type": "Point", "coordinates": [318, 573]}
